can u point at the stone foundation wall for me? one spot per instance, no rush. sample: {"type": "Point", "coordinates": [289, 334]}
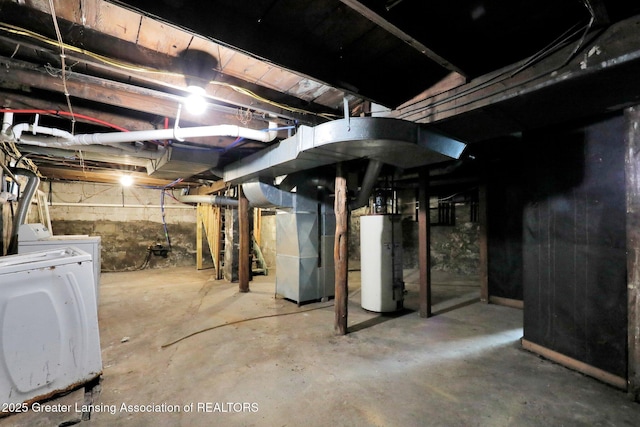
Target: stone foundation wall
{"type": "Point", "coordinates": [128, 220]}
{"type": "Point", "coordinates": [454, 249]}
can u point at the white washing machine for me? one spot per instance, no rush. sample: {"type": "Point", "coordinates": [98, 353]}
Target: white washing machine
{"type": "Point", "coordinates": [49, 337]}
{"type": "Point", "coordinates": [36, 237]}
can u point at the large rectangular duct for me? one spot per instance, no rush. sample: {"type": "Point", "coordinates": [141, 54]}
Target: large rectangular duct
{"type": "Point", "coordinates": [181, 162]}
{"type": "Point", "coordinates": [391, 141]}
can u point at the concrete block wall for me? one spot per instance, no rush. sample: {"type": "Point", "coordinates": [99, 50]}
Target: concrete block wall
{"type": "Point", "coordinates": [128, 220]}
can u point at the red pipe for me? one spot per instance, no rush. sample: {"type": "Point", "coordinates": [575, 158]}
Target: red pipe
{"type": "Point", "coordinates": [64, 113]}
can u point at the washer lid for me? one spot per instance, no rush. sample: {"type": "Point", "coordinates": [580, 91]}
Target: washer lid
{"type": "Point", "coordinates": [42, 259]}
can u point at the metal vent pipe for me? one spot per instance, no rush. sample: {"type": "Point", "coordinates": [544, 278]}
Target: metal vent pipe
{"type": "Point", "coordinates": [23, 206]}
{"type": "Point", "coordinates": [208, 199]}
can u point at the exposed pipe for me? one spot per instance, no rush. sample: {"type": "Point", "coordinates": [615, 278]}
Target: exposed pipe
{"type": "Point", "coordinates": [208, 199]}
{"type": "Point", "coordinates": [23, 206]}
{"type": "Point", "coordinates": [7, 121]}
{"type": "Point", "coordinates": [368, 182]}
{"type": "Point", "coordinates": [179, 133]}
{"type": "Point", "coordinates": [63, 138]}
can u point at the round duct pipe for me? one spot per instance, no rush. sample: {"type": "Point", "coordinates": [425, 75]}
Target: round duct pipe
{"type": "Point", "coordinates": [23, 206]}
{"type": "Point", "coordinates": [207, 199]}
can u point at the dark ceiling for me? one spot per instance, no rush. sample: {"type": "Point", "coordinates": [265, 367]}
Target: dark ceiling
{"type": "Point", "coordinates": [297, 62]}
{"type": "Point", "coordinates": [387, 51]}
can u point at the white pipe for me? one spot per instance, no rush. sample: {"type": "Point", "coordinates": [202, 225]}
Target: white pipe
{"type": "Point", "coordinates": [41, 130]}
{"type": "Point", "coordinates": [119, 205]}
{"type": "Point", "coordinates": [179, 134]}
{"type": "Point", "coordinates": [208, 199]}
{"type": "Point", "coordinates": [7, 122]}
{"type": "Point", "coordinates": [65, 139]}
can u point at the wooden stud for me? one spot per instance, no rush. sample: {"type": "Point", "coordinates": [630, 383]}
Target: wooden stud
{"type": "Point", "coordinates": [244, 263]}
{"type": "Point", "coordinates": [340, 252]}
{"type": "Point", "coordinates": [484, 249]}
{"type": "Point", "coordinates": [574, 364]}
{"type": "Point", "coordinates": [199, 226]}
{"type": "Point", "coordinates": [424, 244]}
{"type": "Point", "coordinates": [632, 174]}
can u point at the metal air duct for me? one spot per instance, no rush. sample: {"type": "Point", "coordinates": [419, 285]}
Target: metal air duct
{"type": "Point", "coordinates": [396, 142]}
{"type": "Point", "coordinates": [23, 206]}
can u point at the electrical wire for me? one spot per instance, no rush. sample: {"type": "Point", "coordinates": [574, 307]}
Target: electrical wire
{"type": "Point", "coordinates": [163, 192]}
{"type": "Point", "coordinates": [559, 41]}
{"type": "Point", "coordinates": [241, 321]}
{"type": "Point", "coordinates": [147, 258]}
{"type": "Point", "coordinates": [147, 70]}
{"type": "Point", "coordinates": [62, 64]}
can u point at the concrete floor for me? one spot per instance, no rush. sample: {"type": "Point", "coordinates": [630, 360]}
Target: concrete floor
{"type": "Point", "coordinates": [163, 343]}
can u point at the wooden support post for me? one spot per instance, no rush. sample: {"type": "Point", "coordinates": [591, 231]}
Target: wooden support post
{"type": "Point", "coordinates": [199, 226]}
{"type": "Point", "coordinates": [244, 263]}
{"type": "Point", "coordinates": [484, 248]}
{"type": "Point", "coordinates": [340, 252]}
{"type": "Point", "coordinates": [632, 174]}
{"type": "Point", "coordinates": [424, 244]}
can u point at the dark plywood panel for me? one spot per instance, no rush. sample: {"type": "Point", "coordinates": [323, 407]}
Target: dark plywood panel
{"type": "Point", "coordinates": [574, 247]}
{"type": "Point", "coordinates": [504, 241]}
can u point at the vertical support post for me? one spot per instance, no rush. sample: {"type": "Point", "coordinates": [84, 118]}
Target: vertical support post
{"type": "Point", "coordinates": [340, 252]}
{"type": "Point", "coordinates": [199, 226]}
{"type": "Point", "coordinates": [244, 264]}
{"type": "Point", "coordinates": [632, 174]}
{"type": "Point", "coordinates": [483, 243]}
{"type": "Point", "coordinates": [424, 244]}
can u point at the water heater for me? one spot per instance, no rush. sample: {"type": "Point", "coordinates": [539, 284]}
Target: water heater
{"type": "Point", "coordinates": [382, 288]}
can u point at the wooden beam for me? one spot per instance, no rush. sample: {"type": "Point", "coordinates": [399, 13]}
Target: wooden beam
{"type": "Point", "coordinates": [216, 187]}
{"type": "Point", "coordinates": [507, 302]}
{"type": "Point", "coordinates": [424, 244]}
{"type": "Point", "coordinates": [632, 174]}
{"type": "Point", "coordinates": [17, 101]}
{"type": "Point", "coordinates": [483, 242]}
{"type": "Point", "coordinates": [341, 252]}
{"type": "Point", "coordinates": [244, 263]}
{"type": "Point", "coordinates": [111, 177]}
{"type": "Point", "coordinates": [574, 364]}
{"type": "Point", "coordinates": [392, 29]}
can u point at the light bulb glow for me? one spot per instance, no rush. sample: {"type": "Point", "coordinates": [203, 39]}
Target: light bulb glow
{"type": "Point", "coordinates": [195, 102]}
{"type": "Point", "coordinates": [126, 180]}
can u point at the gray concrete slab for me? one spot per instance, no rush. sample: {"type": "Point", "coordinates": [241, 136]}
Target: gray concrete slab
{"type": "Point", "coordinates": [178, 344]}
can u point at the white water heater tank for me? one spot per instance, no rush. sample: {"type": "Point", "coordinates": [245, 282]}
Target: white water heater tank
{"type": "Point", "coordinates": [382, 286]}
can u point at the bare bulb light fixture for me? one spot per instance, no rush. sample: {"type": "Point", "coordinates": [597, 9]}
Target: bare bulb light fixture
{"type": "Point", "coordinates": [195, 102]}
{"type": "Point", "coordinates": [126, 180]}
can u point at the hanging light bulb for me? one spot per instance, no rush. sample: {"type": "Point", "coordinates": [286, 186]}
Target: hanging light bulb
{"type": "Point", "coordinates": [195, 102]}
{"type": "Point", "coordinates": [126, 180]}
